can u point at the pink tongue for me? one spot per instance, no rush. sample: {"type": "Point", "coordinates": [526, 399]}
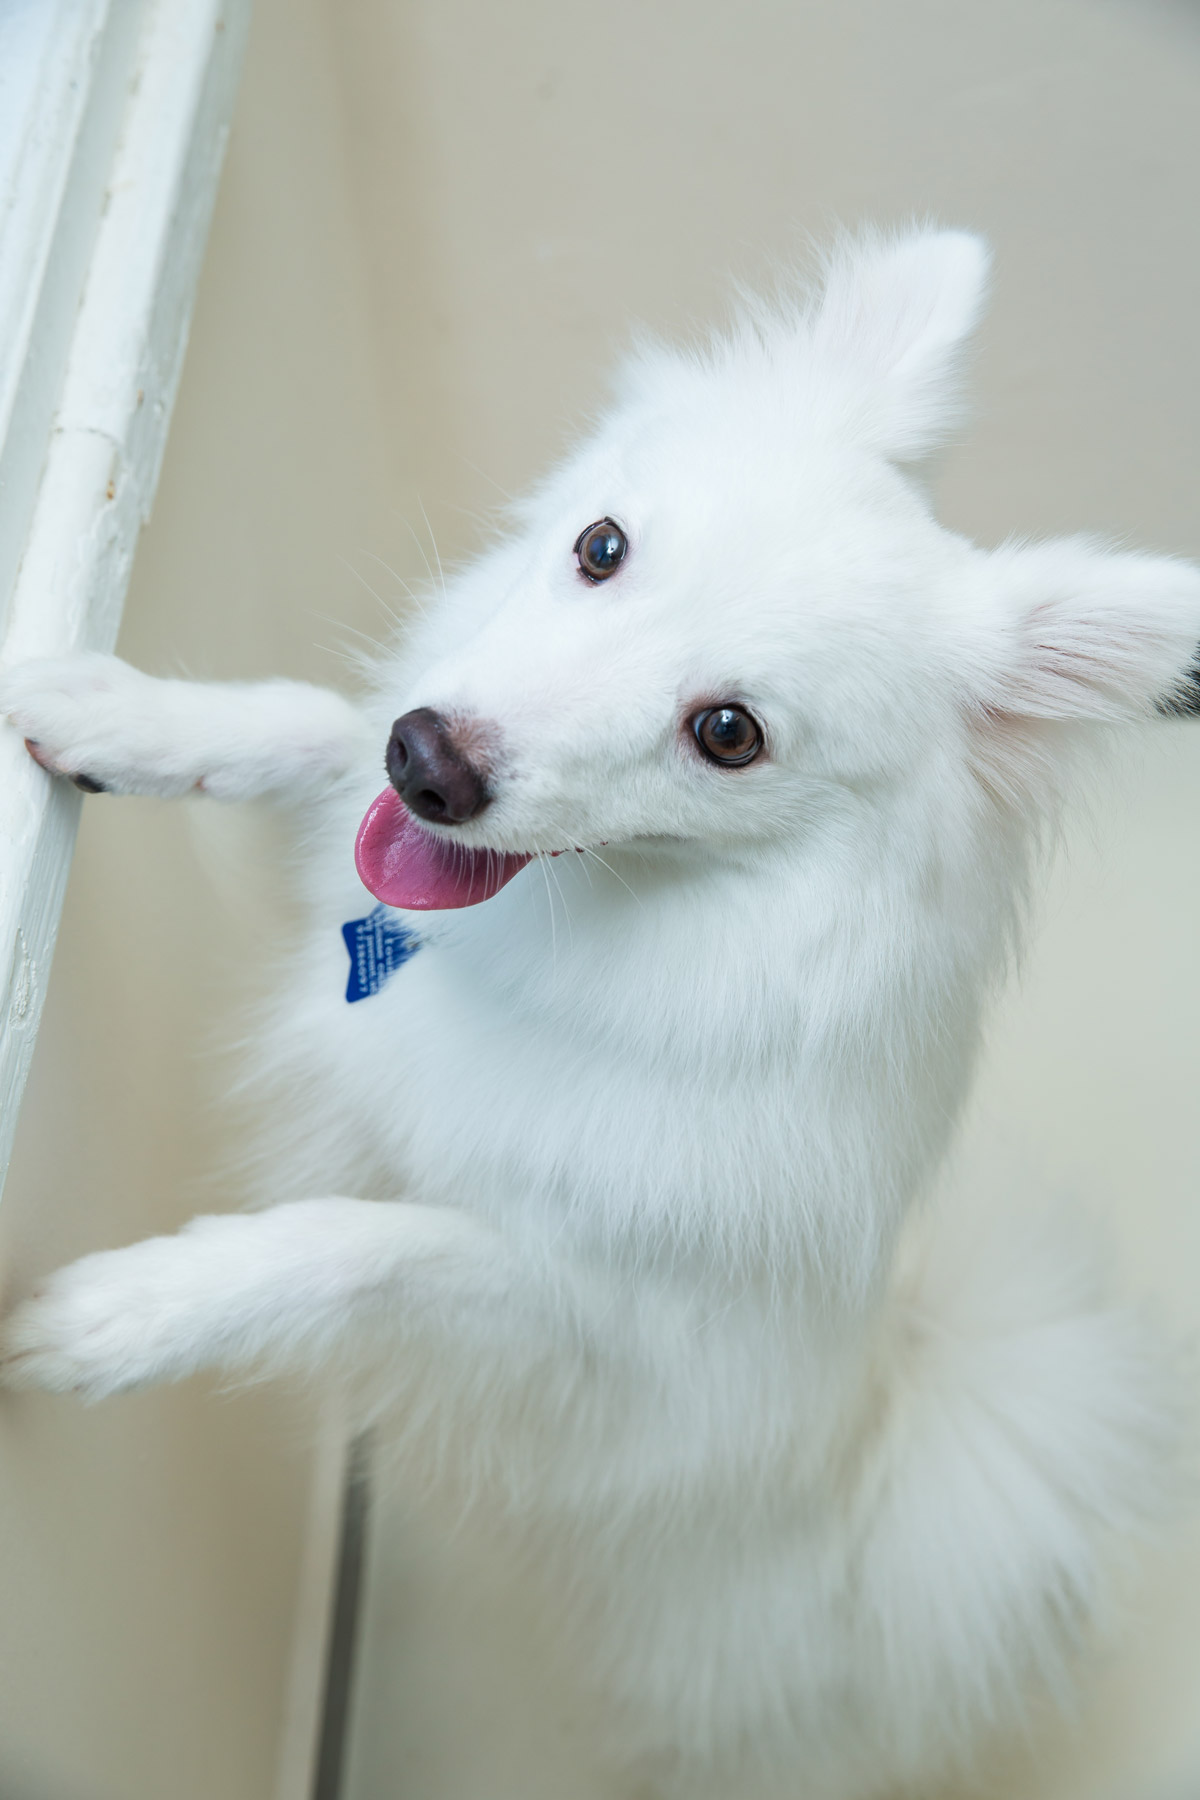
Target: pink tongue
{"type": "Point", "coordinates": [404, 866]}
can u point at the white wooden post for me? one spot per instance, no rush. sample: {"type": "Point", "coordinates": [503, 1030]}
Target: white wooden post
{"type": "Point", "coordinates": [113, 121]}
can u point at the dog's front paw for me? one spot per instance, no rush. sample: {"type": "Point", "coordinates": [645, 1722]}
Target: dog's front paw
{"type": "Point", "coordinates": [92, 718]}
{"type": "Point", "coordinates": [108, 1323]}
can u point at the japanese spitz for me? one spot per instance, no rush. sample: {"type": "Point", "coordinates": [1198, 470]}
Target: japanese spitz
{"type": "Point", "coordinates": [713, 797]}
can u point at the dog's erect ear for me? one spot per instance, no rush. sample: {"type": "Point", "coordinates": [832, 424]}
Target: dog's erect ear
{"type": "Point", "coordinates": [895, 315]}
{"type": "Point", "coordinates": [1068, 630]}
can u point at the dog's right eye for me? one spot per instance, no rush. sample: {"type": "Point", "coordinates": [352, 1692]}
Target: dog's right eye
{"type": "Point", "coordinates": [601, 549]}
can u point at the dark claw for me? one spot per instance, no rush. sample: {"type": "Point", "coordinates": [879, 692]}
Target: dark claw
{"type": "Point", "coordinates": [85, 783]}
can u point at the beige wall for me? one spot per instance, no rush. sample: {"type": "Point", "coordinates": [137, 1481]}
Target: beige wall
{"type": "Point", "coordinates": [150, 1549]}
{"type": "Point", "coordinates": [438, 220]}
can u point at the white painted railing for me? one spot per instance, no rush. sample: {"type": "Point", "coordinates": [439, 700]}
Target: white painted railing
{"type": "Point", "coordinates": [113, 120]}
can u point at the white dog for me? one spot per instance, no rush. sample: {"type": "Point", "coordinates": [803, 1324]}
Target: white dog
{"type": "Point", "coordinates": [819, 1499]}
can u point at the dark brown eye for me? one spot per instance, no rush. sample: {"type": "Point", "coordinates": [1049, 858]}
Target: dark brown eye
{"type": "Point", "coordinates": [601, 549]}
{"type": "Point", "coordinates": [727, 735]}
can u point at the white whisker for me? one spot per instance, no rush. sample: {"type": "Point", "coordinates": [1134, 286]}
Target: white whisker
{"type": "Point", "coordinates": [542, 861]}
{"type": "Point", "coordinates": [413, 533]}
{"type": "Point", "coordinates": [433, 541]}
{"type": "Point", "coordinates": [554, 874]}
{"type": "Point", "coordinates": [411, 593]}
{"type": "Point", "coordinates": [596, 857]}
{"type": "Point", "coordinates": [511, 498]}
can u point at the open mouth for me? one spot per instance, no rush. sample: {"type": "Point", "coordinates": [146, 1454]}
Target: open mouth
{"type": "Point", "coordinates": [402, 864]}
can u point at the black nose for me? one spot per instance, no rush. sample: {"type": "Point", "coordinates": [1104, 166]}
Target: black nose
{"type": "Point", "coordinates": [430, 773]}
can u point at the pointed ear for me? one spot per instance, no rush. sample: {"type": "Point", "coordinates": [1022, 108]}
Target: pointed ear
{"type": "Point", "coordinates": [1073, 631]}
{"type": "Point", "coordinates": [895, 315]}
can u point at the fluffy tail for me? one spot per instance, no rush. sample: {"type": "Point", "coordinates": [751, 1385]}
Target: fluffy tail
{"type": "Point", "coordinates": [1029, 1427]}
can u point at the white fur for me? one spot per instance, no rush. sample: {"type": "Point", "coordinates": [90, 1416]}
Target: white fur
{"type": "Point", "coordinates": [820, 1497]}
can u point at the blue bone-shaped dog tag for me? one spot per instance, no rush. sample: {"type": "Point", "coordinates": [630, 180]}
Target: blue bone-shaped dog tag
{"type": "Point", "coordinates": [378, 946]}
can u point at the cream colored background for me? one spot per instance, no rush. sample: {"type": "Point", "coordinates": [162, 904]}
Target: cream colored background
{"type": "Point", "coordinates": [438, 221]}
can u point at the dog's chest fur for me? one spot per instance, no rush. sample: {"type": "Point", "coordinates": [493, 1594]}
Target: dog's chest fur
{"type": "Point", "coordinates": [642, 1053]}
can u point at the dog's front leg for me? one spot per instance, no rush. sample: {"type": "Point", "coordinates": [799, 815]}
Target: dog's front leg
{"type": "Point", "coordinates": [110, 728]}
{"type": "Point", "coordinates": [298, 1286]}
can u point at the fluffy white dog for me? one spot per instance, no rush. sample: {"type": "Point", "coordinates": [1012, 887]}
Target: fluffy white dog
{"type": "Point", "coordinates": [819, 1499]}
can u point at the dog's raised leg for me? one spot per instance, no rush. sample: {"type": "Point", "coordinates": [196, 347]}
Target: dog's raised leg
{"type": "Point", "coordinates": [294, 1287]}
{"type": "Point", "coordinates": [109, 728]}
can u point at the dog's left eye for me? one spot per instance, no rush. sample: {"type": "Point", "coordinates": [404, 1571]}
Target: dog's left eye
{"type": "Point", "coordinates": [727, 735]}
{"type": "Point", "coordinates": [601, 549]}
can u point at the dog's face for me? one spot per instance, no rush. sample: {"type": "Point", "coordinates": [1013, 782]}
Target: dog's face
{"type": "Point", "coordinates": [732, 612]}
{"type": "Point", "coordinates": [690, 635]}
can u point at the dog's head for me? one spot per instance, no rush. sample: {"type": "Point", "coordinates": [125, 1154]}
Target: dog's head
{"type": "Point", "coordinates": [732, 616]}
